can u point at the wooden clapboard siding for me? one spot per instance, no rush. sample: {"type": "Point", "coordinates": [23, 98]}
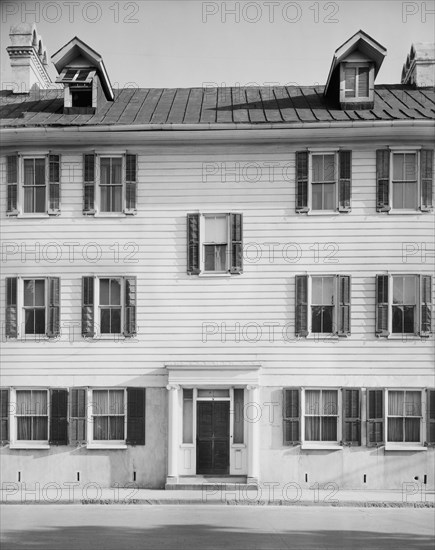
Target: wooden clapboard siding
{"type": "Point", "coordinates": [172, 306]}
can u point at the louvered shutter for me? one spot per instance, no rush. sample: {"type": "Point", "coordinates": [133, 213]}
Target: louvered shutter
{"type": "Point", "coordinates": [54, 185]}
{"type": "Point", "coordinates": [426, 179]}
{"type": "Point", "coordinates": [12, 182]}
{"type": "Point", "coordinates": [375, 417]}
{"type": "Point", "coordinates": [302, 182]}
{"type": "Point", "coordinates": [88, 306]}
{"type": "Point", "coordinates": [4, 416]}
{"type": "Point", "coordinates": [301, 318]}
{"type": "Point", "coordinates": [292, 416]}
{"type": "Point", "coordinates": [11, 307]}
{"type": "Point", "coordinates": [77, 416]}
{"type": "Point", "coordinates": [345, 181]}
{"type": "Point", "coordinates": [193, 244]}
{"type": "Point", "coordinates": [426, 305]}
{"type": "Point", "coordinates": [136, 416]}
{"type": "Point", "coordinates": [382, 307]}
{"type": "Point", "coordinates": [236, 243]}
{"type": "Point", "coordinates": [430, 420]}
{"type": "Point", "coordinates": [130, 307]}
{"type": "Point", "coordinates": [89, 168]}
{"type": "Point", "coordinates": [130, 184]}
{"type": "Point", "coordinates": [352, 416]}
{"type": "Point", "coordinates": [343, 324]}
{"type": "Point", "coordinates": [383, 180]}
{"type": "Point", "coordinates": [59, 417]}
{"type": "Point", "coordinates": [53, 329]}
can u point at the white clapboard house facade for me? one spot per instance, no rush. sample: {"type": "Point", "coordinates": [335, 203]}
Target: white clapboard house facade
{"type": "Point", "coordinates": [217, 283]}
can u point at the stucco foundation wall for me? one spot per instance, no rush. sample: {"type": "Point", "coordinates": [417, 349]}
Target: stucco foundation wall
{"type": "Point", "coordinates": [345, 467]}
{"type": "Point", "coordinates": [106, 468]}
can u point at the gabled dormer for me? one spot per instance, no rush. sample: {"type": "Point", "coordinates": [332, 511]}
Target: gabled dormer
{"type": "Point", "coordinates": [355, 65]}
{"type": "Point", "coordinates": [83, 74]}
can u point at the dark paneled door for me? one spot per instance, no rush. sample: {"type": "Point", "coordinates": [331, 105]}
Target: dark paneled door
{"type": "Point", "coordinates": [213, 437]}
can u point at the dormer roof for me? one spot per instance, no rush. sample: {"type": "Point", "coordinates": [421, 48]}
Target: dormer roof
{"type": "Point", "coordinates": [360, 42]}
{"type": "Point", "coordinates": [76, 50]}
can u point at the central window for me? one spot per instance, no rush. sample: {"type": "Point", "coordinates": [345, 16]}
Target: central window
{"type": "Point", "coordinates": [34, 306]}
{"type": "Point", "coordinates": [215, 243]}
{"type": "Point", "coordinates": [321, 415]}
{"type": "Point", "coordinates": [322, 304]}
{"type": "Point", "coordinates": [32, 415]}
{"type": "Point", "coordinates": [34, 185]}
{"type": "Point", "coordinates": [323, 180]}
{"type": "Point", "coordinates": [404, 181]}
{"type": "Point", "coordinates": [111, 184]}
{"type": "Point", "coordinates": [404, 304]}
{"type": "Point", "coordinates": [356, 82]}
{"type": "Point", "coordinates": [110, 306]}
{"type": "Point", "coordinates": [404, 416]}
{"type": "Point", "coordinates": [108, 413]}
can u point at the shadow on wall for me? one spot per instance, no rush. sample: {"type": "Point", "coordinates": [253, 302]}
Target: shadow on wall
{"type": "Point", "coordinates": [205, 537]}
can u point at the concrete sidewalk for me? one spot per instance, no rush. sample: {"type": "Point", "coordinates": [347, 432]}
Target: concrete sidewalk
{"type": "Point", "coordinates": [412, 495]}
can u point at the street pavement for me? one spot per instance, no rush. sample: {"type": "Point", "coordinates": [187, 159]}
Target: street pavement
{"type": "Point", "coordinates": [213, 527]}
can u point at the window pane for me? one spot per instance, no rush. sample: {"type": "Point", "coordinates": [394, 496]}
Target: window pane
{"type": "Point", "coordinates": [39, 321]}
{"type": "Point", "coordinates": [312, 401]}
{"type": "Point", "coordinates": [410, 167]}
{"type": "Point", "coordinates": [329, 167]}
{"type": "Point", "coordinates": [410, 195]}
{"type": "Point", "coordinates": [40, 172]}
{"type": "Point", "coordinates": [215, 229]}
{"type": "Point", "coordinates": [395, 403]}
{"type": "Point", "coordinates": [398, 167]}
{"type": "Point", "coordinates": [24, 401]}
{"type": "Point", "coordinates": [316, 319]}
{"type": "Point", "coordinates": [363, 82]}
{"type": "Point", "coordinates": [116, 199]}
{"type": "Point", "coordinates": [350, 81]}
{"type": "Point", "coordinates": [40, 428]}
{"type": "Point", "coordinates": [39, 402]}
{"type": "Point", "coordinates": [329, 429]}
{"type": "Point", "coordinates": [312, 428]}
{"type": "Point", "coordinates": [105, 198]}
{"type": "Point", "coordinates": [104, 292]}
{"type": "Point", "coordinates": [410, 290]}
{"type": "Point", "coordinates": [330, 402]}
{"type": "Point", "coordinates": [28, 172]}
{"type": "Point", "coordinates": [116, 402]}
{"type": "Point", "coordinates": [116, 427]}
{"type": "Point", "coordinates": [116, 170]}
{"type": "Point", "coordinates": [28, 199]}
{"type": "Point", "coordinates": [101, 428]}
{"type": "Point", "coordinates": [317, 167]}
{"type": "Point", "coordinates": [115, 321]}
{"type": "Point", "coordinates": [215, 257]}
{"type": "Point", "coordinates": [398, 284]}
{"type": "Point", "coordinates": [317, 196]}
{"type": "Point", "coordinates": [39, 293]}
{"type": "Point", "coordinates": [238, 416]}
{"type": "Point", "coordinates": [29, 321]}
{"type": "Point", "coordinates": [115, 292]}
{"type": "Point", "coordinates": [327, 322]}
{"type": "Point", "coordinates": [29, 292]}
{"type": "Point", "coordinates": [105, 171]}
{"type": "Point", "coordinates": [100, 402]}
{"type": "Point", "coordinates": [413, 403]}
{"type": "Point", "coordinates": [328, 196]}
{"type": "Point", "coordinates": [412, 430]}
{"type": "Point", "coordinates": [395, 429]}
{"type": "Point", "coordinates": [39, 199]}
{"type": "Point", "coordinates": [187, 416]}
{"type": "Point", "coordinates": [408, 319]}
{"type": "Point", "coordinates": [398, 195]}
{"type": "Point", "coordinates": [24, 428]}
{"type": "Point", "coordinates": [105, 321]}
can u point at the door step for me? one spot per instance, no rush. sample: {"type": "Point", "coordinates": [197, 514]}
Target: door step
{"type": "Point", "coordinates": [203, 482]}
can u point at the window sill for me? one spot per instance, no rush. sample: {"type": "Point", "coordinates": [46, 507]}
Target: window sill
{"type": "Point", "coordinates": [404, 447]}
{"type": "Point", "coordinates": [320, 447]}
{"type": "Point", "coordinates": [322, 336]}
{"type": "Point", "coordinates": [109, 215]}
{"type": "Point", "coordinates": [29, 446]}
{"type": "Point", "coordinates": [100, 446]}
{"type": "Point", "coordinates": [404, 212]}
{"type": "Point", "coordinates": [34, 216]}
{"type": "Point", "coordinates": [323, 212]}
{"type": "Point", "coordinates": [214, 275]}
{"type": "Point", "coordinates": [405, 337]}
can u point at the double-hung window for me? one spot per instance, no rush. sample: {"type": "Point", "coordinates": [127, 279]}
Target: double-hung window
{"type": "Point", "coordinates": [403, 305]}
{"type": "Point", "coordinates": [404, 180]}
{"type": "Point", "coordinates": [32, 307]}
{"type": "Point", "coordinates": [404, 416]}
{"type": "Point", "coordinates": [356, 80]}
{"type": "Point", "coordinates": [323, 181]}
{"type": "Point", "coordinates": [357, 84]}
{"type": "Point", "coordinates": [33, 185]}
{"type": "Point", "coordinates": [108, 306]}
{"type": "Point", "coordinates": [109, 184]}
{"type": "Point", "coordinates": [214, 244]}
{"type": "Point", "coordinates": [322, 305]}
{"type": "Point", "coordinates": [321, 415]}
{"type": "Point", "coordinates": [109, 415]}
{"type": "Point", "coordinates": [32, 416]}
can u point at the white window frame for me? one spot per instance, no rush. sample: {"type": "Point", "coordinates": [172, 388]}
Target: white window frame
{"type": "Point", "coordinates": [343, 89]}
{"type": "Point", "coordinates": [417, 318]}
{"type": "Point", "coordinates": [92, 443]}
{"type": "Point", "coordinates": [97, 308]}
{"type": "Point", "coordinates": [16, 443]}
{"type": "Point", "coordinates": [21, 318]}
{"type": "Point", "coordinates": [404, 445]}
{"type": "Point", "coordinates": [397, 150]}
{"type": "Point", "coordinates": [110, 155]}
{"type": "Point", "coordinates": [323, 335]}
{"type": "Point", "coordinates": [20, 179]}
{"type": "Point", "coordinates": [311, 153]}
{"type": "Point", "coordinates": [202, 221]}
{"type": "Point", "coordinates": [321, 445]}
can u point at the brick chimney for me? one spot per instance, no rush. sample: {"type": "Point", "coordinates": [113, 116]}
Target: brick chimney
{"type": "Point", "coordinates": [28, 59]}
{"type": "Point", "coordinates": [419, 69]}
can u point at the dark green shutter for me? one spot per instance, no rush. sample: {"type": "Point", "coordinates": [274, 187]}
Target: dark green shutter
{"type": "Point", "coordinates": [430, 421]}
{"type": "Point", "coordinates": [426, 305]}
{"type": "Point", "coordinates": [292, 416]}
{"type": "Point", "coordinates": [343, 312]}
{"type": "Point", "coordinates": [301, 315]}
{"type": "Point", "coordinates": [77, 417]}
{"type": "Point", "coordinates": [11, 307]}
{"type": "Point", "coordinates": [53, 329]}
{"type": "Point", "coordinates": [193, 244]}
{"type": "Point", "coordinates": [59, 417]}
{"type": "Point", "coordinates": [352, 416]}
{"type": "Point", "coordinates": [88, 305]}
{"type": "Point", "coordinates": [54, 185]}
{"type": "Point", "coordinates": [4, 416]}
{"type": "Point", "coordinates": [136, 416]}
{"type": "Point", "coordinates": [130, 307]}
{"type": "Point", "coordinates": [89, 161]}
{"type": "Point", "coordinates": [375, 417]}
{"type": "Point", "coordinates": [382, 307]}
{"type": "Point", "coordinates": [345, 181]}
{"type": "Point", "coordinates": [130, 184]}
{"type": "Point", "coordinates": [426, 179]}
{"type": "Point", "coordinates": [383, 180]}
{"type": "Point", "coordinates": [236, 243]}
{"type": "Point", "coordinates": [302, 181]}
{"type": "Point", "coordinates": [12, 182]}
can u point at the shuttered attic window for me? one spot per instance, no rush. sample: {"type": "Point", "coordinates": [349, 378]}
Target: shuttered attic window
{"type": "Point", "coordinates": [357, 85]}
{"type": "Point", "coordinates": [80, 91]}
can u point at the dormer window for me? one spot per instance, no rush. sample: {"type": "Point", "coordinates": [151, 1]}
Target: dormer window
{"type": "Point", "coordinates": [356, 82]}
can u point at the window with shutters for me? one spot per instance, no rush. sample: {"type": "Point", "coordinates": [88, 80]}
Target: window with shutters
{"type": "Point", "coordinates": [356, 81]}
{"type": "Point", "coordinates": [357, 84]}
{"type": "Point", "coordinates": [403, 305]}
{"type": "Point", "coordinates": [31, 416]}
{"type": "Point", "coordinates": [323, 305]}
{"type": "Point", "coordinates": [109, 184]}
{"type": "Point", "coordinates": [33, 185]}
{"type": "Point", "coordinates": [108, 306]}
{"type": "Point", "coordinates": [404, 416]}
{"type": "Point", "coordinates": [109, 415]}
{"type": "Point", "coordinates": [404, 180]}
{"type": "Point", "coordinates": [214, 244]}
{"type": "Point", "coordinates": [32, 307]}
{"type": "Point", "coordinates": [323, 181]}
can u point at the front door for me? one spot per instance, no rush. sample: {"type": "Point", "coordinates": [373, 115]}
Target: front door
{"type": "Point", "coordinates": [213, 437]}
